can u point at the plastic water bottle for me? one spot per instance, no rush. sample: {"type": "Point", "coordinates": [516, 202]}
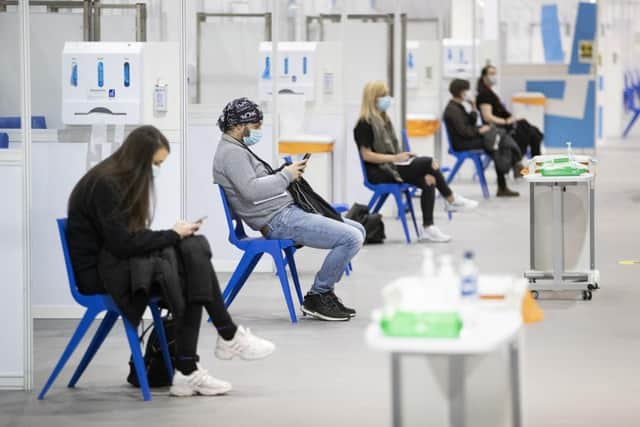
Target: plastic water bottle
{"type": "Point", "coordinates": [569, 152]}
{"type": "Point", "coordinates": [468, 277]}
{"type": "Point", "coordinates": [428, 265]}
{"type": "Point", "coordinates": [449, 282]}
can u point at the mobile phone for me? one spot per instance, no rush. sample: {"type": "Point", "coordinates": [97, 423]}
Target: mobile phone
{"type": "Point", "coordinates": [306, 156]}
{"type": "Point", "coordinates": [200, 220]}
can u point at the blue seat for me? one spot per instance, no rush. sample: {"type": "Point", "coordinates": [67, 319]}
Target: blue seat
{"type": "Point", "coordinates": [37, 122]}
{"type": "Point", "coordinates": [380, 194]}
{"type": "Point", "coordinates": [254, 248]}
{"type": "Point", "coordinates": [479, 159]}
{"type": "Point", "coordinates": [96, 304]}
{"type": "Point", "coordinates": [4, 140]}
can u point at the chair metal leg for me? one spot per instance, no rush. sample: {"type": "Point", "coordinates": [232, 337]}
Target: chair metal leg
{"type": "Point", "coordinates": [162, 336]}
{"type": "Point", "coordinates": [403, 217]}
{"type": "Point", "coordinates": [294, 271]}
{"type": "Point", "coordinates": [77, 336]}
{"type": "Point", "coordinates": [103, 330]}
{"type": "Point", "coordinates": [284, 282]}
{"type": "Point", "coordinates": [240, 275]}
{"type": "Point", "coordinates": [483, 180]}
{"type": "Point", "coordinates": [136, 355]}
{"type": "Point", "coordinates": [455, 170]}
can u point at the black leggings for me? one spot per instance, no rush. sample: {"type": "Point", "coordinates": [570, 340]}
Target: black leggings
{"type": "Point", "coordinates": [414, 173]}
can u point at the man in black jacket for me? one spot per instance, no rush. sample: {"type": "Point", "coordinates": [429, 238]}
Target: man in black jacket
{"type": "Point", "coordinates": [465, 135]}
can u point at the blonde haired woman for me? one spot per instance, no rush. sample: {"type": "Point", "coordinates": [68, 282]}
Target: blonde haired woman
{"type": "Point", "coordinates": [386, 162]}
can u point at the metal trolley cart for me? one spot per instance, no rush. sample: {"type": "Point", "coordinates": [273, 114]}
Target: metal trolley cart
{"type": "Point", "coordinates": [562, 230]}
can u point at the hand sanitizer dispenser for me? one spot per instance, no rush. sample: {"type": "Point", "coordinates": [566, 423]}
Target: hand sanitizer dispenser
{"type": "Point", "coordinates": [102, 83]}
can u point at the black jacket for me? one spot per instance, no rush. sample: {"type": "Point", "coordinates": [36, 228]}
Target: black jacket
{"type": "Point", "coordinates": [461, 126]}
{"type": "Point", "coordinates": [107, 257]}
{"type": "Point", "coordinates": [179, 274]}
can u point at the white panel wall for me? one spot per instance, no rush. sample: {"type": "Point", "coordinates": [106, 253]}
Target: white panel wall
{"type": "Point", "coordinates": [11, 271]}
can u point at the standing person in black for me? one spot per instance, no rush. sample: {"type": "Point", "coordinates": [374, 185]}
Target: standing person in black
{"type": "Point", "coordinates": [385, 162]}
{"type": "Point", "coordinates": [493, 111]}
{"type": "Point", "coordinates": [465, 135]}
{"type": "Point", "coordinates": [113, 251]}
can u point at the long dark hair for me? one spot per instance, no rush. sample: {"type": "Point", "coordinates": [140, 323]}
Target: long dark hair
{"type": "Point", "coordinates": [130, 169]}
{"type": "Point", "coordinates": [481, 85]}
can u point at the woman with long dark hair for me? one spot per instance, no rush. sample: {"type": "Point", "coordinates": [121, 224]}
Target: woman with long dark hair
{"type": "Point", "coordinates": [493, 111]}
{"type": "Point", "coordinates": [113, 251]}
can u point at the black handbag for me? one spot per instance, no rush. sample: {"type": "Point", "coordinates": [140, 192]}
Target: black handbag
{"type": "Point", "coordinates": [303, 194]}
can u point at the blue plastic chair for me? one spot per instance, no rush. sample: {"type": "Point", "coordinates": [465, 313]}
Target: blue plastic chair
{"type": "Point", "coordinates": [254, 248]}
{"type": "Point", "coordinates": [96, 304]}
{"type": "Point", "coordinates": [4, 140]}
{"type": "Point", "coordinates": [477, 156]}
{"type": "Point", "coordinates": [37, 122]}
{"type": "Point", "coordinates": [380, 194]}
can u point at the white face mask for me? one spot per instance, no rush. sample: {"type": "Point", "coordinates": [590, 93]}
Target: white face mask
{"type": "Point", "coordinates": [155, 171]}
{"type": "Point", "coordinates": [493, 80]}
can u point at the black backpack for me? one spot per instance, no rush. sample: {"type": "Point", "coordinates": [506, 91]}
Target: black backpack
{"type": "Point", "coordinates": [153, 361]}
{"type": "Point", "coordinates": [372, 223]}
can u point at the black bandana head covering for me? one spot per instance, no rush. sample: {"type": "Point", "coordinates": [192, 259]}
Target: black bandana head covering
{"type": "Point", "coordinates": [238, 112]}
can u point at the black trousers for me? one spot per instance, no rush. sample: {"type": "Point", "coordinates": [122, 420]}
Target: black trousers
{"type": "Point", "coordinates": [527, 136]}
{"type": "Point", "coordinates": [478, 144]}
{"type": "Point", "coordinates": [414, 173]}
{"type": "Point", "coordinates": [188, 325]}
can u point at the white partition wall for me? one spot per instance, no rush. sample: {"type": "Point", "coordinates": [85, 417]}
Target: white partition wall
{"type": "Point", "coordinates": [16, 361]}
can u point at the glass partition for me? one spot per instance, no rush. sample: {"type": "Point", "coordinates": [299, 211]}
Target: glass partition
{"type": "Point", "coordinates": [99, 70]}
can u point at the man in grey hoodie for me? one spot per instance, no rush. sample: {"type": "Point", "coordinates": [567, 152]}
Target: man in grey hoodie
{"type": "Point", "coordinates": [261, 199]}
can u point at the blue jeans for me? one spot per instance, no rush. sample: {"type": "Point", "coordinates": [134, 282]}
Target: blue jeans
{"type": "Point", "coordinates": [316, 231]}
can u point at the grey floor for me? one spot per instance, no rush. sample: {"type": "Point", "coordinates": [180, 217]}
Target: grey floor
{"type": "Point", "coordinates": [580, 364]}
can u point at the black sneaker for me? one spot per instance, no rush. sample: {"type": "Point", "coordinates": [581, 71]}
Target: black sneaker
{"type": "Point", "coordinates": [323, 306]}
{"type": "Point", "coordinates": [350, 311]}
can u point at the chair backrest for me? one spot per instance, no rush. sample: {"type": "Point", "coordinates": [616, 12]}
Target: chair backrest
{"type": "Point", "coordinates": [236, 232]}
{"type": "Point", "coordinates": [364, 170]}
{"type": "Point", "coordinates": [4, 140]}
{"type": "Point", "coordinates": [62, 229]}
{"type": "Point", "coordinates": [445, 135]}
{"type": "Point", "coordinates": [37, 122]}
{"type": "Point", "coordinates": [406, 146]}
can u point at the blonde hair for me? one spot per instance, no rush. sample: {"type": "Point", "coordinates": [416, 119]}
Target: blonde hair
{"type": "Point", "coordinates": [369, 108]}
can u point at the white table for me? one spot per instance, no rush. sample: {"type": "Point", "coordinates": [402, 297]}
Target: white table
{"type": "Point", "coordinates": [493, 329]}
{"type": "Point", "coordinates": [575, 272]}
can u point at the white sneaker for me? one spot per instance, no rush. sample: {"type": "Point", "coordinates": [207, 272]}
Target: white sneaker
{"type": "Point", "coordinates": [244, 345]}
{"type": "Point", "coordinates": [198, 382]}
{"type": "Point", "coordinates": [433, 234]}
{"type": "Point", "coordinates": [460, 204]}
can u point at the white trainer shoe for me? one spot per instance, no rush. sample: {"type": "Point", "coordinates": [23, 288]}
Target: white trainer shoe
{"type": "Point", "coordinates": [244, 345]}
{"type": "Point", "coordinates": [198, 382]}
{"type": "Point", "coordinates": [460, 204]}
{"type": "Point", "coordinates": [433, 234]}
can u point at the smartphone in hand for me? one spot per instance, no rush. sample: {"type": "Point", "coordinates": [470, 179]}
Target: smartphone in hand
{"type": "Point", "coordinates": [200, 220]}
{"type": "Point", "coordinates": [306, 156]}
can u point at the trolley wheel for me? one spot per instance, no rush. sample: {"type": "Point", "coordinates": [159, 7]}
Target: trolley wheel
{"type": "Point", "coordinates": [587, 295]}
{"type": "Point", "coordinates": [535, 294]}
